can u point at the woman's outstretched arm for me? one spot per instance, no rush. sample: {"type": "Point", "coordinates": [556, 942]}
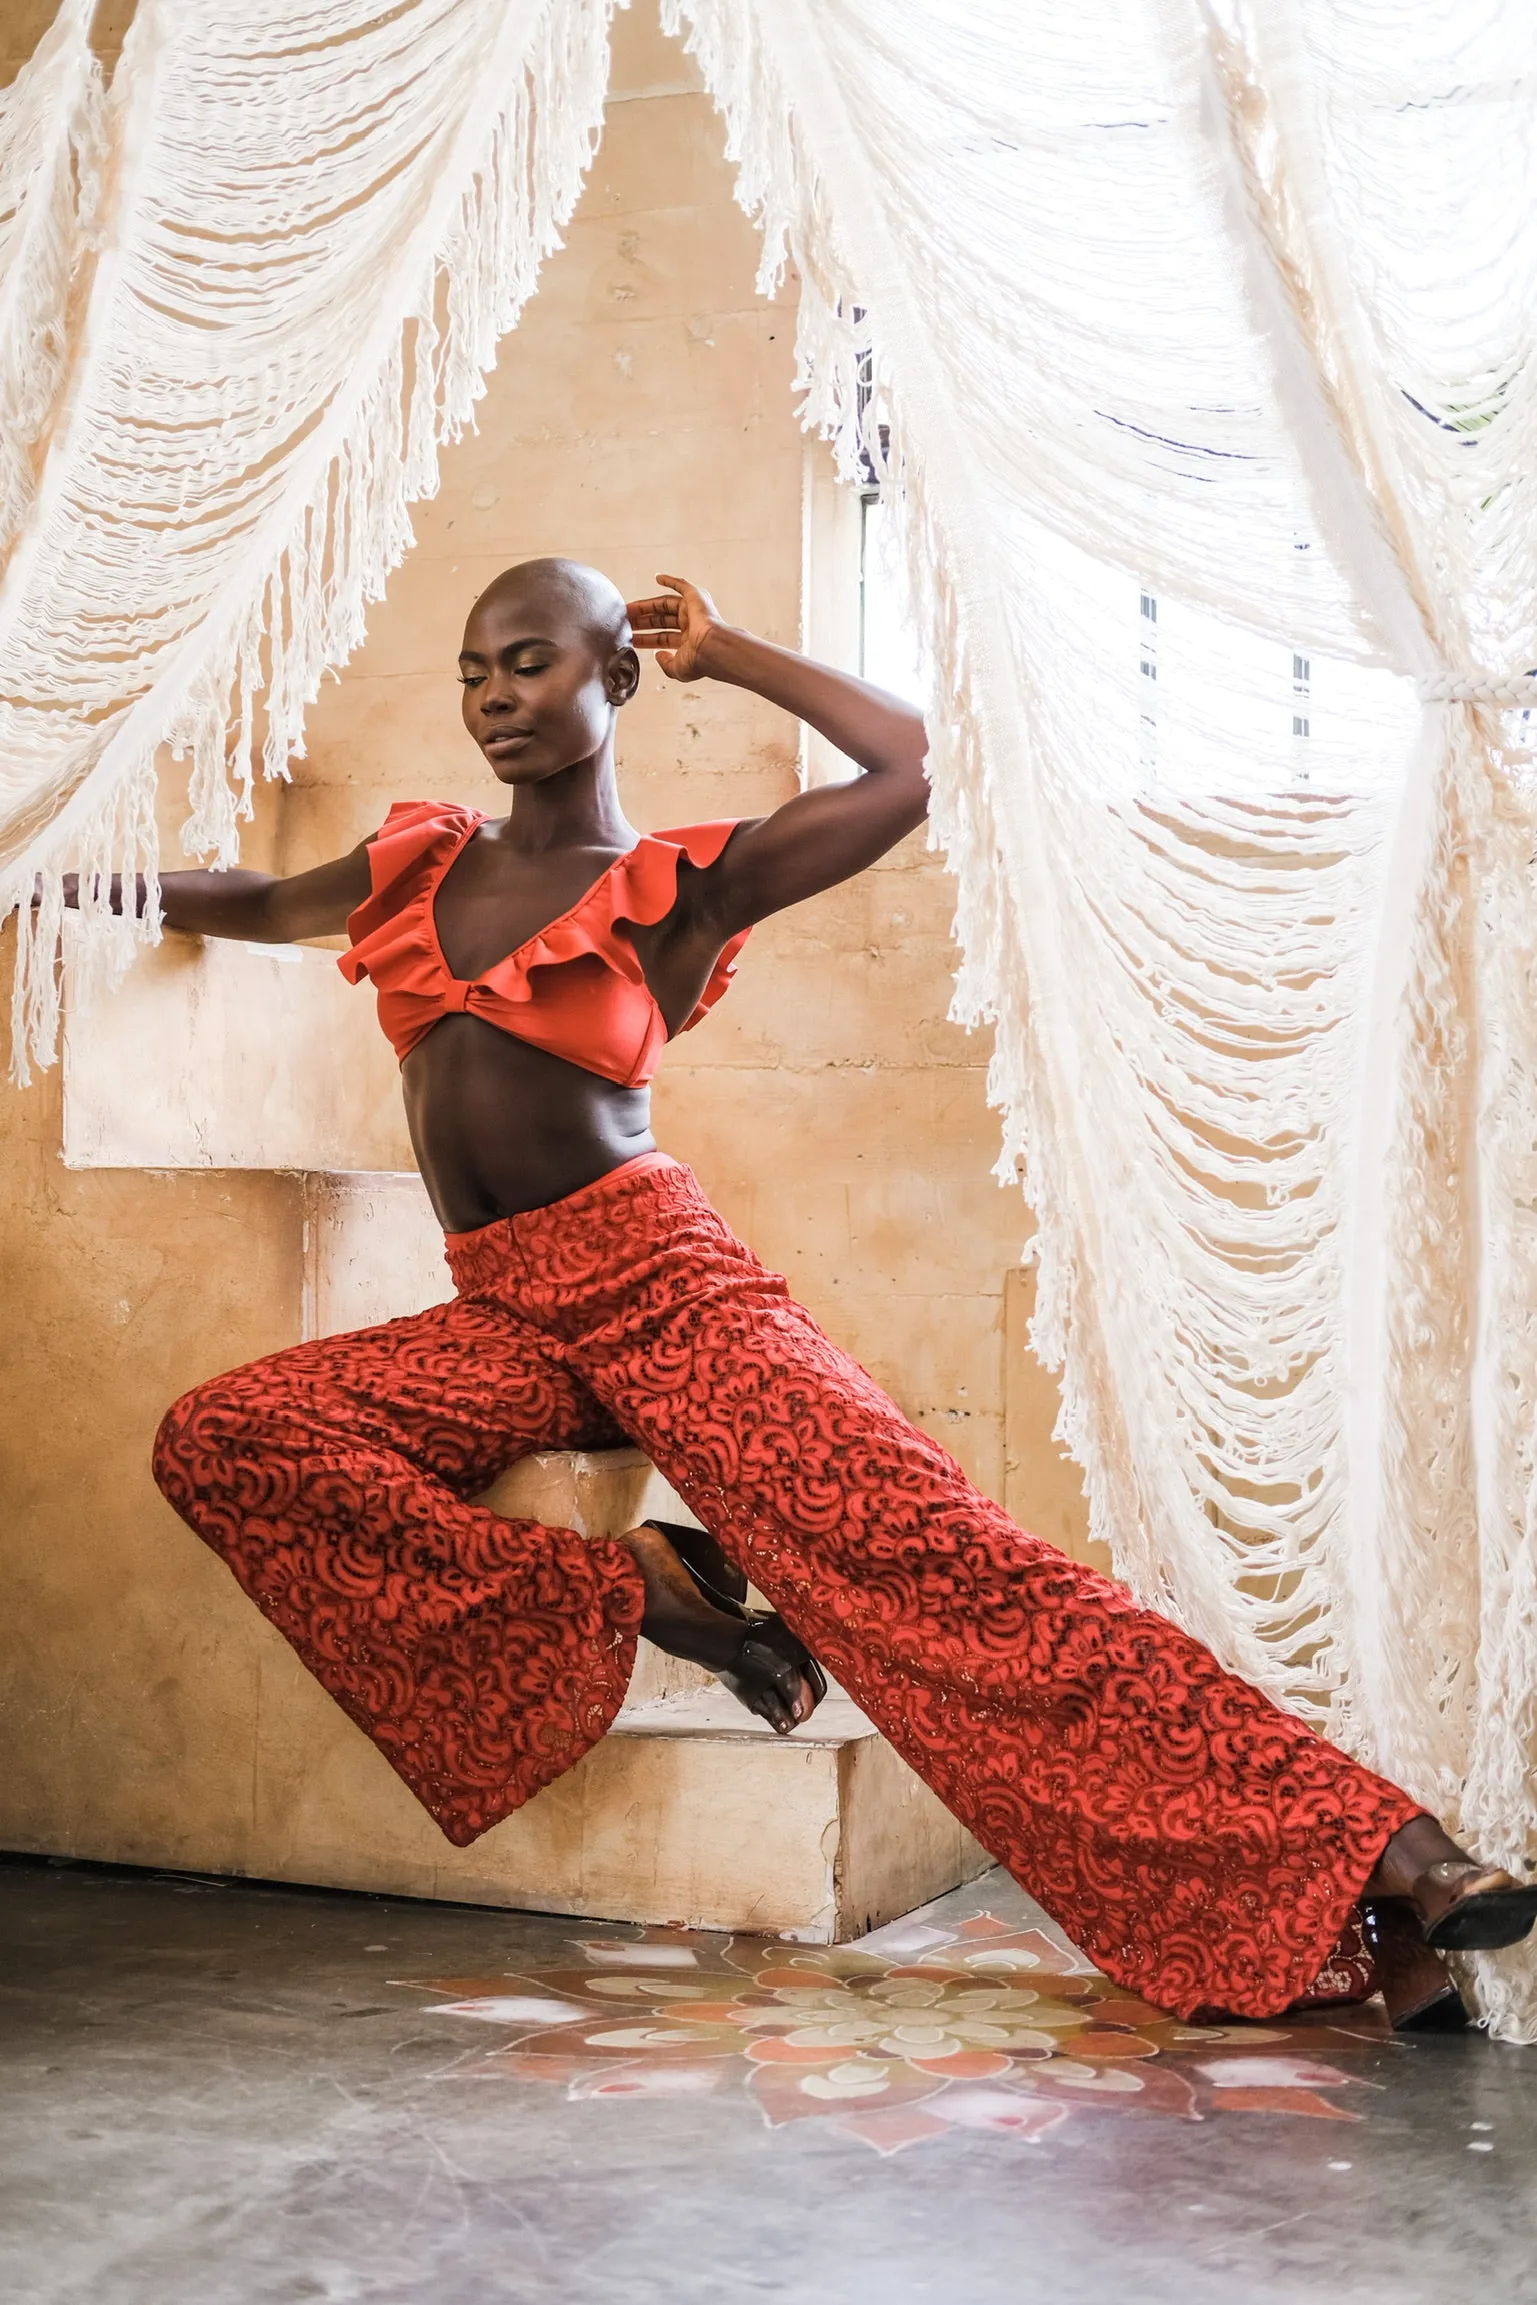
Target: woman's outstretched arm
{"type": "Point", "coordinates": [254, 906]}
{"type": "Point", "coordinates": [819, 837]}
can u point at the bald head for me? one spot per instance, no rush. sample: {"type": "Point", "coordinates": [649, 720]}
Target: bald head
{"type": "Point", "coordinates": [559, 598]}
{"type": "Point", "coordinates": [546, 663]}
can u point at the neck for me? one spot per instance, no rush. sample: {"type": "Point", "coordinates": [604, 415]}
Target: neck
{"type": "Point", "coordinates": [579, 808]}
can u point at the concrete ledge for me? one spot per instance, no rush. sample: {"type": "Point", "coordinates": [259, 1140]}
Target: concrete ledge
{"type": "Point", "coordinates": [259, 1056]}
{"type": "Point", "coordinates": [689, 1812]}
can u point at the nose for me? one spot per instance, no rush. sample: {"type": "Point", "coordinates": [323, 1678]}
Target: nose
{"type": "Point", "coordinates": [496, 693]}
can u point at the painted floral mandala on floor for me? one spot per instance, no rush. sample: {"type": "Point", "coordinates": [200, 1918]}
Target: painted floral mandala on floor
{"type": "Point", "coordinates": [900, 2038]}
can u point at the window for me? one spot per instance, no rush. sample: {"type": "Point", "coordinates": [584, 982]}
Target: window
{"type": "Point", "coordinates": [889, 651]}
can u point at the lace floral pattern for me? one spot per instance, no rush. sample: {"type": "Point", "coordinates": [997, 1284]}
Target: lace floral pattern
{"type": "Point", "coordinates": [483, 1656]}
{"type": "Point", "coordinates": [1204, 1848]}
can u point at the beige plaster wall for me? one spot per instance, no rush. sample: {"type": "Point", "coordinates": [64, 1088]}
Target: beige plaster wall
{"type": "Point", "coordinates": [129, 1665]}
{"type": "Point", "coordinates": [642, 419]}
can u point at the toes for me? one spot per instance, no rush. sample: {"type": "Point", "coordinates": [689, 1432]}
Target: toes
{"type": "Point", "coordinates": [771, 1709]}
{"type": "Point", "coordinates": [779, 1701]}
{"type": "Point", "coordinates": [790, 1688]}
{"type": "Point", "coordinates": [776, 1688]}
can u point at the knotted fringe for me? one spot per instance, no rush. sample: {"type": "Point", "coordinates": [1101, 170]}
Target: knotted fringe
{"type": "Point", "coordinates": [1181, 984]}
{"type": "Point", "coordinates": [1438, 1552]}
{"type": "Point", "coordinates": [50, 182]}
{"type": "Point", "coordinates": [50, 134]}
{"type": "Point", "coordinates": [1017, 971]}
{"type": "Point", "coordinates": [319, 539]}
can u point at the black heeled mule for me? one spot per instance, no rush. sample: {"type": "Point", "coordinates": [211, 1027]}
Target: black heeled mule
{"type": "Point", "coordinates": [1415, 1984]}
{"type": "Point", "coordinates": [771, 1657]}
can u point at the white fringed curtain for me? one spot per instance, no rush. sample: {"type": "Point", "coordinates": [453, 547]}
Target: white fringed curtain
{"type": "Point", "coordinates": [313, 219]}
{"type": "Point", "coordinates": [1233, 311]}
{"type": "Point", "coordinates": [50, 120]}
{"type": "Point", "coordinates": [1199, 335]}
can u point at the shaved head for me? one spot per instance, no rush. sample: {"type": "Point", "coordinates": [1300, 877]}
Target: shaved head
{"type": "Point", "coordinates": [560, 596]}
{"type": "Point", "coordinates": [545, 664]}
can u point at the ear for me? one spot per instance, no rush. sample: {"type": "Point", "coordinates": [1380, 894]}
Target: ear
{"type": "Point", "coordinates": [622, 677]}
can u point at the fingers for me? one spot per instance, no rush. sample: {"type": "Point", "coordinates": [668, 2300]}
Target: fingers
{"type": "Point", "coordinates": [661, 609]}
{"type": "Point", "coordinates": [656, 626]}
{"type": "Point", "coordinates": [668, 607]}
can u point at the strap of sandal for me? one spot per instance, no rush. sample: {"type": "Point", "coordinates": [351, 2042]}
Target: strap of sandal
{"type": "Point", "coordinates": [681, 1538]}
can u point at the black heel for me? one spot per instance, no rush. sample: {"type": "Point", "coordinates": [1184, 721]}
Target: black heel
{"type": "Point", "coordinates": [771, 1657]}
{"type": "Point", "coordinates": [1413, 1979]}
{"type": "Point", "coordinates": [720, 1581]}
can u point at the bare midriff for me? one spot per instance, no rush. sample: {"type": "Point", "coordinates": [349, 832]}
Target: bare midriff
{"type": "Point", "coordinates": [500, 1127]}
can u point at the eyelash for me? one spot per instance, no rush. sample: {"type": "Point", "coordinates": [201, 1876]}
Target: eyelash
{"type": "Point", "coordinates": [520, 672]}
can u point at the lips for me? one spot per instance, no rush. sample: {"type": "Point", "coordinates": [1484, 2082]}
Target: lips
{"type": "Point", "coordinates": [507, 740]}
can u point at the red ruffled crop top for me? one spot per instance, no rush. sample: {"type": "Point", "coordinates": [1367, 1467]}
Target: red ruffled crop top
{"type": "Point", "coordinates": [576, 989]}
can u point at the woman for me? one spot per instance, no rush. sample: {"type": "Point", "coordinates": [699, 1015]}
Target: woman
{"type": "Point", "coordinates": [1206, 1849]}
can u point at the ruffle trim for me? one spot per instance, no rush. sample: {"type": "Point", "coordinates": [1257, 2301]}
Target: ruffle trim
{"type": "Point", "coordinates": [638, 889]}
{"type": "Point", "coordinates": [394, 937]}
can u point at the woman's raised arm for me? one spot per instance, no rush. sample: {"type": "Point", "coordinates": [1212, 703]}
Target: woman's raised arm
{"type": "Point", "coordinates": [257, 907]}
{"type": "Point", "coordinates": [819, 837]}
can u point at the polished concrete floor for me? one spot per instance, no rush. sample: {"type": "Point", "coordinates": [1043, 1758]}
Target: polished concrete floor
{"type": "Point", "coordinates": [227, 2094]}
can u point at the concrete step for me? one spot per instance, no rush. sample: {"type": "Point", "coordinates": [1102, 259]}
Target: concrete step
{"type": "Point", "coordinates": [708, 1819]}
{"type": "Point", "coordinates": [819, 1836]}
{"type": "Point", "coordinates": [689, 1812]}
{"type": "Point", "coordinates": [601, 1493]}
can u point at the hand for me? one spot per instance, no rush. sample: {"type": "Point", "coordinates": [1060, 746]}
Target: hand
{"type": "Point", "coordinates": [676, 624]}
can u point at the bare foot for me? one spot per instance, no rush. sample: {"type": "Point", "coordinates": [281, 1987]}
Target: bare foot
{"type": "Point", "coordinates": [762, 1669]}
{"type": "Point", "coordinates": [1462, 1905]}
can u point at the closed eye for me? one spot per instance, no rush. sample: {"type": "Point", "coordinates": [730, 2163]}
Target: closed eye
{"type": "Point", "coordinates": [519, 672]}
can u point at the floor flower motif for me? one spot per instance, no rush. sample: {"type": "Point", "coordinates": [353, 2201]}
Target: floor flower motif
{"type": "Point", "coordinates": [902, 2037]}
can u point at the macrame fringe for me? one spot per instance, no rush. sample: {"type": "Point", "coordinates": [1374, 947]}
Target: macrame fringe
{"type": "Point", "coordinates": [849, 396]}
{"type": "Point", "coordinates": [1219, 945]}
{"type": "Point", "coordinates": [50, 135]}
{"type": "Point", "coordinates": [1436, 1557]}
{"type": "Point", "coordinates": [294, 604]}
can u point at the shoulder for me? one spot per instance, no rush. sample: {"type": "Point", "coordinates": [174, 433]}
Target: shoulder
{"type": "Point", "coordinates": [703, 844]}
{"type": "Point", "coordinates": [415, 820]}
{"type": "Point", "coordinates": [696, 895]}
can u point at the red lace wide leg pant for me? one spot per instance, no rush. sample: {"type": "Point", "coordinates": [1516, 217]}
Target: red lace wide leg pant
{"type": "Point", "coordinates": [1200, 1845]}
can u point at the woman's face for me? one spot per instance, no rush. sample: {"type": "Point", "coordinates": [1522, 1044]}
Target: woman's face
{"type": "Point", "coordinates": [540, 688]}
